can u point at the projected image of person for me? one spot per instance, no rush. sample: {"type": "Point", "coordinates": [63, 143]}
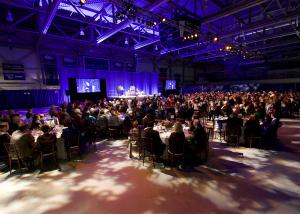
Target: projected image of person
{"type": "Point", "coordinates": [88, 85]}
{"type": "Point", "coordinates": [170, 84]}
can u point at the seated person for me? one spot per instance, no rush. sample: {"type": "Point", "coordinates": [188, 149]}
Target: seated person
{"type": "Point", "coordinates": [158, 146]}
{"type": "Point", "coordinates": [4, 139]}
{"type": "Point", "coordinates": [199, 143]}
{"type": "Point", "coordinates": [234, 125]}
{"type": "Point", "coordinates": [36, 122]}
{"type": "Point", "coordinates": [14, 124]}
{"type": "Point", "coordinates": [252, 128]}
{"type": "Point", "coordinates": [102, 122]}
{"type": "Point", "coordinates": [46, 138]}
{"type": "Point", "coordinates": [113, 120]}
{"type": "Point", "coordinates": [25, 143]}
{"type": "Point", "coordinates": [178, 137]}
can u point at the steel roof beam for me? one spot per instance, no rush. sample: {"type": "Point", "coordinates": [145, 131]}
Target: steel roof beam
{"type": "Point", "coordinates": [146, 43]}
{"type": "Point", "coordinates": [51, 15]}
{"type": "Point", "coordinates": [126, 23]}
{"type": "Point", "coordinates": [232, 10]}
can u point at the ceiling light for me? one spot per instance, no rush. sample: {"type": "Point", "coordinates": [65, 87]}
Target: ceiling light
{"type": "Point", "coordinates": [164, 19]}
{"type": "Point", "coordinates": [81, 31]}
{"type": "Point", "coordinates": [216, 39]}
{"type": "Point", "coordinates": [9, 16]}
{"type": "Point", "coordinates": [192, 36]}
{"type": "Point", "coordinates": [126, 42]}
{"type": "Point", "coordinates": [82, 2]}
{"type": "Point", "coordinates": [196, 34]}
{"type": "Point", "coordinates": [228, 47]}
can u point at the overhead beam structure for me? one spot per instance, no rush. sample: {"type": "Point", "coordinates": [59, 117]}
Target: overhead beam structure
{"type": "Point", "coordinates": [232, 10]}
{"type": "Point", "coordinates": [51, 15]}
{"type": "Point", "coordinates": [126, 23]}
{"type": "Point", "coordinates": [147, 42]}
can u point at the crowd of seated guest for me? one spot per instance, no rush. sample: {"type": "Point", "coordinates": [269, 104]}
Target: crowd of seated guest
{"type": "Point", "coordinates": [261, 111]}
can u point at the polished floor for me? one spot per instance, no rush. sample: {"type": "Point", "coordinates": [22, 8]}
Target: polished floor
{"type": "Point", "coordinates": [235, 180]}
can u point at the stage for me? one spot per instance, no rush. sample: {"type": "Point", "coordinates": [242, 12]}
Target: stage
{"type": "Point", "coordinates": [138, 97]}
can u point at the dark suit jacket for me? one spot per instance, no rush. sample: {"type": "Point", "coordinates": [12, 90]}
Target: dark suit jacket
{"type": "Point", "coordinates": [199, 139]}
{"type": "Point", "coordinates": [154, 135]}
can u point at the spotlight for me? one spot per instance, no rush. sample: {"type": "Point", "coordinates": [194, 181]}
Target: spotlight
{"type": "Point", "coordinates": [228, 47]}
{"type": "Point", "coordinates": [184, 38]}
{"type": "Point", "coordinates": [82, 2]}
{"type": "Point", "coordinates": [81, 31]}
{"type": "Point", "coordinates": [9, 16]}
{"type": "Point", "coordinates": [188, 37]}
{"type": "Point", "coordinates": [164, 19]}
{"type": "Point", "coordinates": [192, 36]}
{"type": "Point", "coordinates": [196, 35]}
{"type": "Point", "coordinates": [154, 23]}
{"type": "Point", "coordinates": [126, 42]}
{"type": "Point", "coordinates": [216, 39]}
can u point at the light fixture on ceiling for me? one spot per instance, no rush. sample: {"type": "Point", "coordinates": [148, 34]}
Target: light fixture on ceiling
{"type": "Point", "coordinates": [228, 48]}
{"type": "Point", "coordinates": [126, 42]}
{"type": "Point", "coordinates": [9, 16]}
{"type": "Point", "coordinates": [82, 2]}
{"type": "Point", "coordinates": [216, 39]}
{"type": "Point", "coordinates": [81, 31]}
{"type": "Point", "coordinates": [164, 19]}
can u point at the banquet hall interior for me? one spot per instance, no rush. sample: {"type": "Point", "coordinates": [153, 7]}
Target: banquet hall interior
{"type": "Point", "coordinates": [149, 106]}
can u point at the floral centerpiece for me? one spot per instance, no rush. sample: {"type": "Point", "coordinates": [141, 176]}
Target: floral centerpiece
{"type": "Point", "coordinates": [168, 124]}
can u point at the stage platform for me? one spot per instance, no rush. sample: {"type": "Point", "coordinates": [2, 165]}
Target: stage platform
{"type": "Point", "coordinates": [138, 97]}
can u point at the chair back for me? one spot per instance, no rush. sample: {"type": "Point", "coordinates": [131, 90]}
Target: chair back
{"type": "Point", "coordinates": [147, 144]}
{"type": "Point", "coordinates": [47, 146]}
{"type": "Point", "coordinates": [12, 151]}
{"type": "Point", "coordinates": [176, 146]}
{"type": "Point", "coordinates": [72, 139]}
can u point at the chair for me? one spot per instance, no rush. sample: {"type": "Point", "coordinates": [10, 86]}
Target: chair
{"type": "Point", "coordinates": [92, 136]}
{"type": "Point", "coordinates": [13, 155]}
{"type": "Point", "coordinates": [220, 130]}
{"type": "Point", "coordinates": [113, 132]}
{"type": "Point", "coordinates": [209, 130]}
{"type": "Point", "coordinates": [147, 149]}
{"type": "Point", "coordinates": [134, 138]}
{"type": "Point", "coordinates": [255, 140]}
{"type": "Point", "coordinates": [233, 134]}
{"type": "Point", "coordinates": [72, 141]}
{"type": "Point", "coordinates": [176, 150]}
{"type": "Point", "coordinates": [47, 149]}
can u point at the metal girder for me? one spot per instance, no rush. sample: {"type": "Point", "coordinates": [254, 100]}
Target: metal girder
{"type": "Point", "coordinates": [62, 15]}
{"type": "Point", "coordinates": [293, 42]}
{"type": "Point", "coordinates": [127, 22]}
{"type": "Point", "coordinates": [221, 5]}
{"type": "Point", "coordinates": [232, 10]}
{"type": "Point", "coordinates": [146, 43]}
{"type": "Point", "coordinates": [63, 38]}
{"type": "Point", "coordinates": [75, 8]}
{"type": "Point", "coordinates": [51, 15]}
{"type": "Point", "coordinates": [249, 28]}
